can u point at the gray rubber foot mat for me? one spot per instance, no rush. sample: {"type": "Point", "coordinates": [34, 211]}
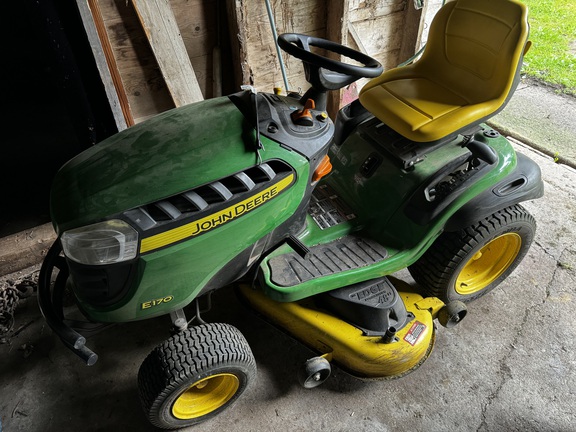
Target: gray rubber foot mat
{"type": "Point", "coordinates": [346, 253]}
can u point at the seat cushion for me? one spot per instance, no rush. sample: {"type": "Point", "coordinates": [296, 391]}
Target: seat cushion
{"type": "Point", "coordinates": [409, 104]}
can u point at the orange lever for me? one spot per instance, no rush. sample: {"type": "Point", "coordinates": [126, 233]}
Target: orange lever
{"type": "Point", "coordinates": [324, 168]}
{"type": "Point", "coordinates": [303, 117]}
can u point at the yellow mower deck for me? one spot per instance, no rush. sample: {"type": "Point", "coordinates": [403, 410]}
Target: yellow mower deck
{"type": "Point", "coordinates": [346, 345]}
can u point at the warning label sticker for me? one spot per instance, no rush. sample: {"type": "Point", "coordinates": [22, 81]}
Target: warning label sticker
{"type": "Point", "coordinates": [415, 332]}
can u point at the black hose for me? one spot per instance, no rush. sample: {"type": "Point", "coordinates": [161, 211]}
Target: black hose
{"type": "Point", "coordinates": [70, 337]}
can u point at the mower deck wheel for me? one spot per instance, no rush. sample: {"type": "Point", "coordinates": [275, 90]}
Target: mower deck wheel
{"type": "Point", "coordinates": [314, 372]}
{"type": "Point", "coordinates": [452, 314]}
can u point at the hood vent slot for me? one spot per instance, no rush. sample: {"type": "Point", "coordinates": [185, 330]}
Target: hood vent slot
{"type": "Point", "coordinates": [207, 198]}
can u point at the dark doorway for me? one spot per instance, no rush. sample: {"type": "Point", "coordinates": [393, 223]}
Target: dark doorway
{"type": "Point", "coordinates": [54, 105]}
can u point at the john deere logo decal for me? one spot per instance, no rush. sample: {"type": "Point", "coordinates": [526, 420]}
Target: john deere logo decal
{"type": "Point", "coordinates": [214, 220]}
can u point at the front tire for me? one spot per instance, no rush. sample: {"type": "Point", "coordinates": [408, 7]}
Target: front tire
{"type": "Point", "coordinates": [467, 264]}
{"type": "Point", "coordinates": [195, 375]}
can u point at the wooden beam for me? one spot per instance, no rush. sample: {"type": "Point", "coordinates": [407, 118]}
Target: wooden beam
{"type": "Point", "coordinates": [26, 248]}
{"type": "Point", "coordinates": [356, 39]}
{"type": "Point", "coordinates": [237, 27]}
{"type": "Point", "coordinates": [160, 26]}
{"type": "Point", "coordinates": [411, 32]}
{"type": "Point", "coordinates": [336, 31]}
{"type": "Point", "coordinates": [253, 45]}
{"type": "Point", "coordinates": [106, 62]}
{"type": "Point", "coordinates": [427, 13]}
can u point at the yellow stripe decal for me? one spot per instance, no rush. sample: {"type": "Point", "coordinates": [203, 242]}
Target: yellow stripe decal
{"type": "Point", "coordinates": [209, 222]}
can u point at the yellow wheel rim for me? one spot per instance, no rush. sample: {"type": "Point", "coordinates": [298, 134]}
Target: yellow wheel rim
{"type": "Point", "coordinates": [205, 396]}
{"type": "Point", "coordinates": [488, 264]}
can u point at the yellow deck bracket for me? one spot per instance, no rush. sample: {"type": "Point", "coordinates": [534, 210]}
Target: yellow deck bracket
{"type": "Point", "coordinates": [431, 304]}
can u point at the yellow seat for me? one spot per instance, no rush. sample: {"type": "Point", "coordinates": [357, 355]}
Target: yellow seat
{"type": "Point", "coordinates": [467, 73]}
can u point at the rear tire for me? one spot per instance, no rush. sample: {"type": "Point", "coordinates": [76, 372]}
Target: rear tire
{"type": "Point", "coordinates": [467, 264]}
{"type": "Point", "coordinates": [195, 375]}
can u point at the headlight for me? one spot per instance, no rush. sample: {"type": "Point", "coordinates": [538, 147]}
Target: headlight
{"type": "Point", "coordinates": [102, 243]}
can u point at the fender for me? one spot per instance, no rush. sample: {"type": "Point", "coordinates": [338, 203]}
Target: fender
{"type": "Point", "coordinates": [523, 184]}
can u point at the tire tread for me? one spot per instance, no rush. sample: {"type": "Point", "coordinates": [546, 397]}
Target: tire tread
{"type": "Point", "coordinates": [434, 270]}
{"type": "Point", "coordinates": [186, 354]}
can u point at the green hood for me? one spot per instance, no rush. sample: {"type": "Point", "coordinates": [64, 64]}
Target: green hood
{"type": "Point", "coordinates": [165, 155]}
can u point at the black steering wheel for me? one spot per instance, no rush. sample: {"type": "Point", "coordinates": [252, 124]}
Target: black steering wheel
{"type": "Point", "coordinates": [325, 73]}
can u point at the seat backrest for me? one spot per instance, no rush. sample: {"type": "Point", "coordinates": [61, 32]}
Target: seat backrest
{"type": "Point", "coordinates": [475, 48]}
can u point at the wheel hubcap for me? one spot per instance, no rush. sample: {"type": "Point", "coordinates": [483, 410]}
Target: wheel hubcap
{"type": "Point", "coordinates": [488, 264]}
{"type": "Point", "coordinates": [205, 396]}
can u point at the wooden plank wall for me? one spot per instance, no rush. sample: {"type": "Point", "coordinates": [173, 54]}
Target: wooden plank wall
{"type": "Point", "coordinates": [143, 85]}
{"type": "Point", "coordinates": [199, 28]}
{"type": "Point", "coordinates": [430, 9]}
{"type": "Point", "coordinates": [159, 24]}
{"type": "Point", "coordinates": [384, 29]}
{"type": "Point", "coordinates": [141, 79]}
{"type": "Point", "coordinates": [380, 27]}
{"type": "Point", "coordinates": [259, 63]}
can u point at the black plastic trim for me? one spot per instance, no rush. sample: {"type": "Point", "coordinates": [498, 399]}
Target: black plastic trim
{"type": "Point", "coordinates": [275, 122]}
{"type": "Point", "coordinates": [422, 207]}
{"type": "Point", "coordinates": [191, 205]}
{"type": "Point", "coordinates": [523, 184]}
{"type": "Point", "coordinates": [374, 306]}
{"type": "Point", "coordinates": [104, 285]}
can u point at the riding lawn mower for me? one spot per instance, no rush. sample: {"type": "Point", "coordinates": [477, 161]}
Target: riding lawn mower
{"type": "Point", "coordinates": [306, 218]}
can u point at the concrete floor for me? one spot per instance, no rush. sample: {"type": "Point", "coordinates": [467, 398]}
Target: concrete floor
{"type": "Point", "coordinates": [542, 118]}
{"type": "Point", "coordinates": [509, 366]}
